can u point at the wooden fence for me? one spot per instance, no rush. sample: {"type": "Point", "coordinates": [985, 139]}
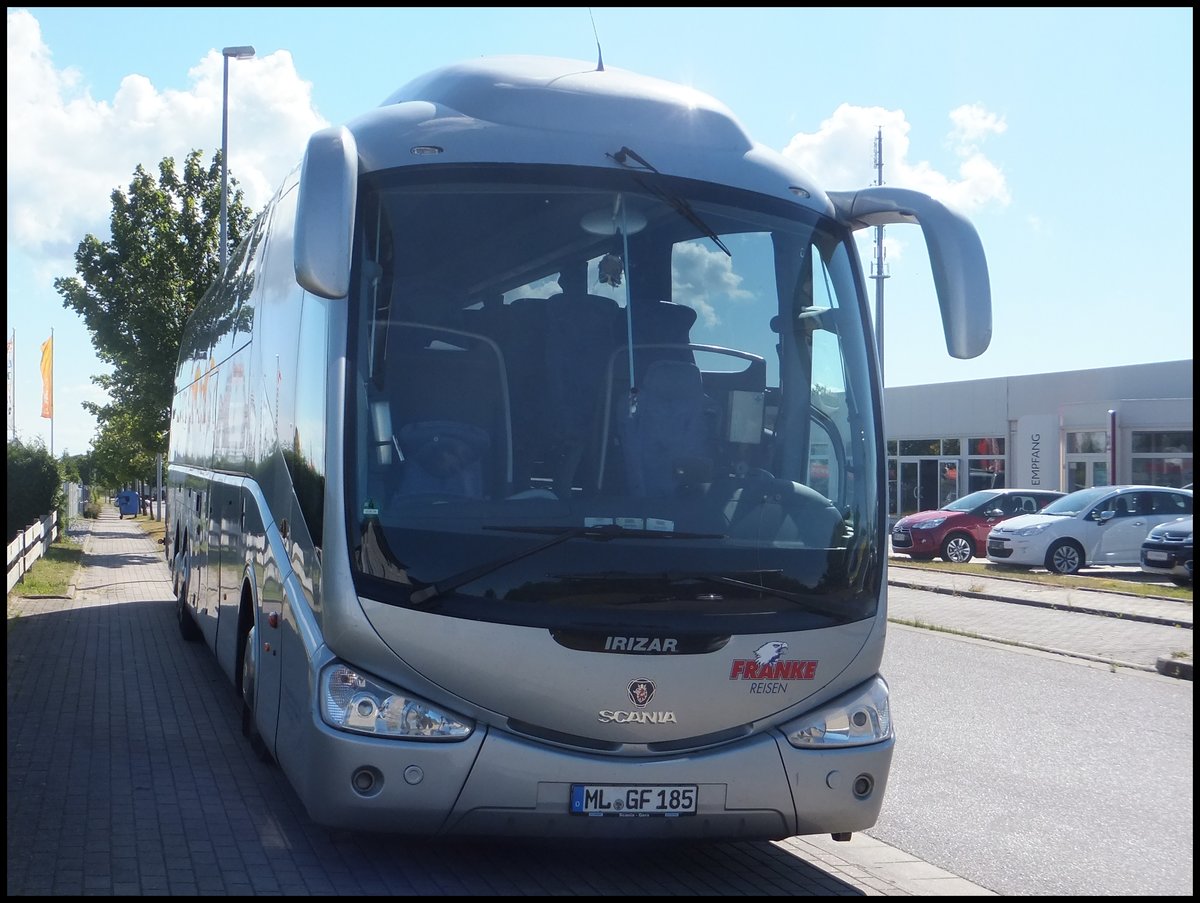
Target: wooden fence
{"type": "Point", "coordinates": [31, 544]}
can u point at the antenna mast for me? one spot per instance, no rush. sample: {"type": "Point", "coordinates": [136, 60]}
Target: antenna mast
{"type": "Point", "coordinates": [878, 267]}
{"type": "Point", "coordinates": [599, 53]}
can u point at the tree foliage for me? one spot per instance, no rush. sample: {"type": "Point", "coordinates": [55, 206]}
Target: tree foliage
{"type": "Point", "coordinates": [34, 484]}
{"type": "Point", "coordinates": [77, 468]}
{"type": "Point", "coordinates": [136, 291]}
{"type": "Point", "coordinates": [117, 455]}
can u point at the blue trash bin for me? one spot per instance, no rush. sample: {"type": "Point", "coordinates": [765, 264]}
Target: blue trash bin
{"type": "Point", "coordinates": [128, 502]}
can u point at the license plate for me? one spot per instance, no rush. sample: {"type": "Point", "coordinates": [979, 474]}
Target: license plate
{"type": "Point", "coordinates": [1157, 556]}
{"type": "Point", "coordinates": [633, 800]}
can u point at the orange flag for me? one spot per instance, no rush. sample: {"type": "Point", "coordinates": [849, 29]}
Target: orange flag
{"type": "Point", "coordinates": [48, 377]}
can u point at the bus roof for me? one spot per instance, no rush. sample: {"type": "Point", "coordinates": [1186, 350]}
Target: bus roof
{"type": "Point", "coordinates": [531, 109]}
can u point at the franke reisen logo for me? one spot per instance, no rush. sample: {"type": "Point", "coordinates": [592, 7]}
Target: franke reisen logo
{"type": "Point", "coordinates": [768, 663]}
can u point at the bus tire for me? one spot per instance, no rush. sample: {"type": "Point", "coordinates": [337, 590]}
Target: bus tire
{"type": "Point", "coordinates": [249, 725]}
{"type": "Point", "coordinates": [188, 628]}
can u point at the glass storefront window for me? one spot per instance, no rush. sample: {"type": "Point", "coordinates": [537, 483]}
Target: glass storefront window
{"type": "Point", "coordinates": [986, 473]}
{"type": "Point", "coordinates": [1161, 458]}
{"type": "Point", "coordinates": [983, 446]}
{"type": "Point", "coordinates": [918, 447]}
{"type": "Point", "coordinates": [1164, 442]}
{"type": "Point", "coordinates": [1087, 442]}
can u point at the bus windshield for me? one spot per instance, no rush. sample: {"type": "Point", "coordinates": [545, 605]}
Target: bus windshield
{"type": "Point", "coordinates": [579, 395]}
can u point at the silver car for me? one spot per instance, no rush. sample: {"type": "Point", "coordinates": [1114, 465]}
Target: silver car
{"type": "Point", "coordinates": [1168, 551]}
{"type": "Point", "coordinates": [1104, 525]}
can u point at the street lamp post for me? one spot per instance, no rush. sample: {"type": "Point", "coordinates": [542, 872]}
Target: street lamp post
{"type": "Point", "coordinates": [237, 53]}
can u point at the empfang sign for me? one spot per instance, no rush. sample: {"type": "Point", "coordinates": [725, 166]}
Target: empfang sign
{"type": "Point", "coordinates": [1036, 452]}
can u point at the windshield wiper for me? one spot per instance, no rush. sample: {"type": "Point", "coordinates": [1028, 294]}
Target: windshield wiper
{"type": "Point", "coordinates": [601, 532]}
{"type": "Point", "coordinates": [804, 601]}
{"type": "Point", "coordinates": [680, 205]}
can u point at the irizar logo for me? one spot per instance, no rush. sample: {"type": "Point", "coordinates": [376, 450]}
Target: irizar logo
{"type": "Point", "coordinates": [640, 644]}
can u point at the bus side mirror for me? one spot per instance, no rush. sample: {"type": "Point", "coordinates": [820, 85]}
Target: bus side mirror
{"type": "Point", "coordinates": [325, 213]}
{"type": "Point", "coordinates": [960, 273]}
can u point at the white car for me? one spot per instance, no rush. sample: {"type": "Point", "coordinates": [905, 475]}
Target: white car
{"type": "Point", "coordinates": [1104, 525]}
{"type": "Point", "coordinates": [1167, 551]}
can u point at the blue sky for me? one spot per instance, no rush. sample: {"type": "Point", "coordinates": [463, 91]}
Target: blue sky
{"type": "Point", "coordinates": [1065, 135]}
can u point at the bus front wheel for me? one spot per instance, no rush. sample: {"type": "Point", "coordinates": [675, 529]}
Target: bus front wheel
{"type": "Point", "coordinates": [249, 726]}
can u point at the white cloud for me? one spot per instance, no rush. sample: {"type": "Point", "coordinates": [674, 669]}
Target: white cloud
{"type": "Point", "coordinates": [68, 151]}
{"type": "Point", "coordinates": [972, 123]}
{"type": "Point", "coordinates": [698, 275]}
{"type": "Point", "coordinates": [841, 155]}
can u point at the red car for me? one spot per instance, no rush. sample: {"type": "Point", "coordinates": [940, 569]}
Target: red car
{"type": "Point", "coordinates": [959, 531]}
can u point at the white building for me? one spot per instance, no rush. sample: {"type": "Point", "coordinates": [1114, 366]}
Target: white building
{"type": "Point", "coordinates": [1064, 431]}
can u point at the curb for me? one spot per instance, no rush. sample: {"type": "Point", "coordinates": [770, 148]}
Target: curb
{"type": "Point", "coordinates": [84, 527]}
{"type": "Point", "coordinates": [1173, 667]}
{"type": "Point", "coordinates": [1037, 647]}
{"type": "Point", "coordinates": [1145, 619]}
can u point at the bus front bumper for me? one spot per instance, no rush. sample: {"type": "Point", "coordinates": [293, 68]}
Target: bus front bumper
{"type": "Point", "coordinates": [497, 784]}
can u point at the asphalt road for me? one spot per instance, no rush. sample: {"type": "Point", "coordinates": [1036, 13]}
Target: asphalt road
{"type": "Point", "coordinates": [1033, 773]}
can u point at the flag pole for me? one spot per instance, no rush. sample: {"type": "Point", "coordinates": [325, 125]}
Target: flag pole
{"type": "Point", "coordinates": [51, 391]}
{"type": "Point", "coordinates": [12, 385]}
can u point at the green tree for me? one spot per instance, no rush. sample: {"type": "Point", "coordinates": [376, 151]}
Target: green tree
{"type": "Point", "coordinates": [34, 484]}
{"type": "Point", "coordinates": [79, 468]}
{"type": "Point", "coordinates": [136, 291]}
{"type": "Point", "coordinates": [68, 467]}
{"type": "Point", "coordinates": [118, 456]}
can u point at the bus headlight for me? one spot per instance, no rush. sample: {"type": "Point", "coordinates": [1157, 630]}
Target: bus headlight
{"type": "Point", "coordinates": [856, 719]}
{"type": "Point", "coordinates": [352, 701]}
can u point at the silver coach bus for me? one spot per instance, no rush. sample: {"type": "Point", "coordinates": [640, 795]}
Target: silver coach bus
{"type": "Point", "coordinates": [527, 468]}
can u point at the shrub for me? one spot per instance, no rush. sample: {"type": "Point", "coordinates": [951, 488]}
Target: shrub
{"type": "Point", "coordinates": [34, 484]}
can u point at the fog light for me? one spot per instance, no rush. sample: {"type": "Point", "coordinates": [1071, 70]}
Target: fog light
{"type": "Point", "coordinates": [366, 781]}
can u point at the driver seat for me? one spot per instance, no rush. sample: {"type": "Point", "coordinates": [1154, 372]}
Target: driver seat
{"type": "Point", "coordinates": [667, 441]}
